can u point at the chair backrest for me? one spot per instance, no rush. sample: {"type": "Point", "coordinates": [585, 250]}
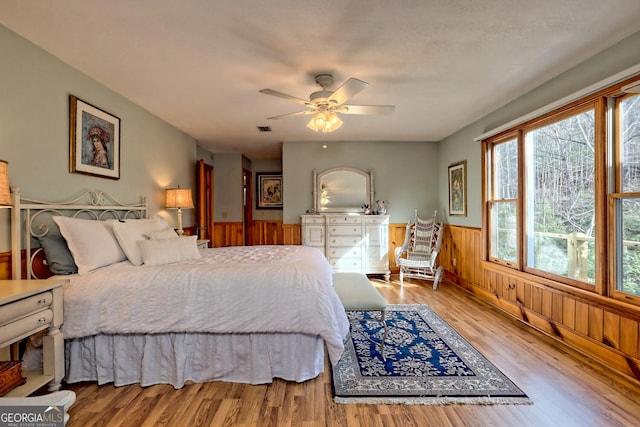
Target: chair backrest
{"type": "Point", "coordinates": [424, 234]}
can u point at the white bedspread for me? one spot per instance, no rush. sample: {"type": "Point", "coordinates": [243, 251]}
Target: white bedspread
{"type": "Point", "coordinates": [258, 289]}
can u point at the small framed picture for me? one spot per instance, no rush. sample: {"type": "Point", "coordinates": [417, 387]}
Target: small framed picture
{"type": "Point", "coordinates": [458, 189]}
{"type": "Point", "coordinates": [94, 140]}
{"type": "Point", "coordinates": [269, 190]}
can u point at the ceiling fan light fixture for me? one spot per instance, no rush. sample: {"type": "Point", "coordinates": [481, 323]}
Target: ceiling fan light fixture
{"type": "Point", "coordinates": [325, 121]}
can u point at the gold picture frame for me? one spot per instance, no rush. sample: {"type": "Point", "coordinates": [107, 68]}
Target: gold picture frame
{"type": "Point", "coordinates": [458, 189]}
{"type": "Point", "coordinates": [94, 140]}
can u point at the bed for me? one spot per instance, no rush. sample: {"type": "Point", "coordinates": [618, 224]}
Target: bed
{"type": "Point", "coordinates": [152, 308]}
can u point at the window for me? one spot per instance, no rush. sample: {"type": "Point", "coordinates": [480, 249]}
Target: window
{"type": "Point", "coordinates": [627, 196]}
{"type": "Point", "coordinates": [560, 188]}
{"type": "Point", "coordinates": [503, 203]}
{"type": "Point", "coordinates": [563, 195]}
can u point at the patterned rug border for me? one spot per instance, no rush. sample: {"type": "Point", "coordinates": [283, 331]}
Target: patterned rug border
{"type": "Point", "coordinates": [426, 311]}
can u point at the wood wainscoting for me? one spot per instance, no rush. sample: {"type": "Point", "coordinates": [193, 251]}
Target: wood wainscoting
{"type": "Point", "coordinates": [602, 328]}
{"type": "Point", "coordinates": [607, 330]}
{"type": "Point", "coordinates": [275, 232]}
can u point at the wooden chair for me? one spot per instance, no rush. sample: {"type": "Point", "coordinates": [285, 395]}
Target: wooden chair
{"type": "Point", "coordinates": [422, 243]}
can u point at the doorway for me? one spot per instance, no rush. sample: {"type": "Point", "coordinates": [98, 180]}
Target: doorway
{"type": "Point", "coordinates": [204, 190]}
{"type": "Point", "coordinates": [247, 208]}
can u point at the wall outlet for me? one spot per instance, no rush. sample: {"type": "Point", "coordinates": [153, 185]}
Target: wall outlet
{"type": "Point", "coordinates": [454, 262]}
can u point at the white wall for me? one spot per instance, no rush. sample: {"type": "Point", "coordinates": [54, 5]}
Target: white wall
{"type": "Point", "coordinates": [406, 174]}
{"type": "Point", "coordinates": [34, 135]}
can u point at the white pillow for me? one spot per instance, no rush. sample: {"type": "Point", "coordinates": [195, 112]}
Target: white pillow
{"type": "Point", "coordinates": [91, 242]}
{"type": "Point", "coordinates": [166, 251]}
{"type": "Point", "coordinates": [130, 231]}
{"type": "Point", "coordinates": [167, 233]}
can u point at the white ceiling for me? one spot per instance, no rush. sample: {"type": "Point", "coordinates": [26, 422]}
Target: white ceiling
{"type": "Point", "coordinates": [198, 64]}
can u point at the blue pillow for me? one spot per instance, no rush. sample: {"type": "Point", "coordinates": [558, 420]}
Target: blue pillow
{"type": "Point", "coordinates": [56, 251]}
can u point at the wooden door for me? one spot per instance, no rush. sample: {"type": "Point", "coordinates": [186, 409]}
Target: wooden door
{"type": "Point", "coordinates": [204, 181]}
{"type": "Point", "coordinates": [247, 208]}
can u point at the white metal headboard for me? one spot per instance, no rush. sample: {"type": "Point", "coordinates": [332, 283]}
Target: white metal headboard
{"type": "Point", "coordinates": [32, 219]}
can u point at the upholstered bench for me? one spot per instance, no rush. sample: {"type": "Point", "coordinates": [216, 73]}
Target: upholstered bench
{"type": "Point", "coordinates": [357, 293]}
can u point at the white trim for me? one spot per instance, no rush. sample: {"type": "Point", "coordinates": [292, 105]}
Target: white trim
{"type": "Point", "coordinates": [616, 78]}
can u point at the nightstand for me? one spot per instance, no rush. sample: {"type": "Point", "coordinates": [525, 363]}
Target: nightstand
{"type": "Point", "coordinates": [28, 307]}
{"type": "Point", "coordinates": [203, 243]}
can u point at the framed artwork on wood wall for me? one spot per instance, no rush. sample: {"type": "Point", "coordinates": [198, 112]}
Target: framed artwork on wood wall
{"type": "Point", "coordinates": [458, 189]}
{"type": "Point", "coordinates": [269, 190]}
{"type": "Point", "coordinates": [94, 140]}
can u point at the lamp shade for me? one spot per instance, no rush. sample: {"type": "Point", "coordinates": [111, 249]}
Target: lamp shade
{"type": "Point", "coordinates": [179, 198]}
{"type": "Point", "coordinates": [5, 192]}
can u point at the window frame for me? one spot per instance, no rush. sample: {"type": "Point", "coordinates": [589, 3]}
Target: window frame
{"type": "Point", "coordinates": [615, 199]}
{"type": "Point", "coordinates": [607, 170]}
{"type": "Point", "coordinates": [493, 200]}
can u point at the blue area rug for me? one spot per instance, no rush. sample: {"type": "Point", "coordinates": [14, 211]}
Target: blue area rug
{"type": "Point", "coordinates": [426, 362]}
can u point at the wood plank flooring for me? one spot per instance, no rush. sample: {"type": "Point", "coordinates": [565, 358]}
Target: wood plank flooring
{"type": "Point", "coordinates": [567, 389]}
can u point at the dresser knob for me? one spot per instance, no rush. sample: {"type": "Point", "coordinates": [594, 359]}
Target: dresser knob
{"type": "Point", "coordinates": [42, 320]}
{"type": "Point", "coordinates": [42, 301]}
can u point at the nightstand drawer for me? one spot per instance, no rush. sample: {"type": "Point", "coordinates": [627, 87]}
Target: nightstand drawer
{"type": "Point", "coordinates": [26, 326]}
{"type": "Point", "coordinates": [23, 307]}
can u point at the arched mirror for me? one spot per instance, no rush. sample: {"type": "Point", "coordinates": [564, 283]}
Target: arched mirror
{"type": "Point", "coordinates": [342, 190]}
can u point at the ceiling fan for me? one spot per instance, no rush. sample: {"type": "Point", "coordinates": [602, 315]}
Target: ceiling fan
{"type": "Point", "coordinates": [324, 104]}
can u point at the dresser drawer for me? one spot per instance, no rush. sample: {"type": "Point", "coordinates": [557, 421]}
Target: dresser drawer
{"type": "Point", "coordinates": [350, 241]}
{"type": "Point", "coordinates": [376, 219]}
{"type": "Point", "coordinates": [23, 307]}
{"type": "Point", "coordinates": [345, 219]}
{"type": "Point", "coordinates": [344, 252]}
{"type": "Point", "coordinates": [345, 230]}
{"type": "Point", "coordinates": [346, 263]}
{"type": "Point", "coordinates": [26, 326]}
{"type": "Point", "coordinates": [306, 219]}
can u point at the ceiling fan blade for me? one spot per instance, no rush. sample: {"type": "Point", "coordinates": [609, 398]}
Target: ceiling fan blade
{"type": "Point", "coordinates": [284, 95]}
{"type": "Point", "coordinates": [349, 89]}
{"type": "Point", "coordinates": [365, 109]}
{"type": "Point", "coordinates": [299, 113]}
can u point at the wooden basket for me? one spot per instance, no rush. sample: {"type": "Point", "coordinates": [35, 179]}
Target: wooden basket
{"type": "Point", "coordinates": [10, 376]}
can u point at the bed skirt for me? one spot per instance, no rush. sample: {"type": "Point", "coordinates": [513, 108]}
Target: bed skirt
{"type": "Point", "coordinates": [198, 357]}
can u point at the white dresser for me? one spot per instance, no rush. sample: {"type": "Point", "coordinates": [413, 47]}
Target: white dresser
{"type": "Point", "coordinates": [357, 243]}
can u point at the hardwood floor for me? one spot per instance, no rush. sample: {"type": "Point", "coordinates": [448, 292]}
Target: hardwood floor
{"type": "Point", "coordinates": [567, 389]}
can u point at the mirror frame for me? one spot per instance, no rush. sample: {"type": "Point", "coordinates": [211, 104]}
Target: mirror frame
{"type": "Point", "coordinates": [317, 183]}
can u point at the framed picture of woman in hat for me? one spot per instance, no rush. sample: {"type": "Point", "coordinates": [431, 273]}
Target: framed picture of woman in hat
{"type": "Point", "coordinates": [94, 140]}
